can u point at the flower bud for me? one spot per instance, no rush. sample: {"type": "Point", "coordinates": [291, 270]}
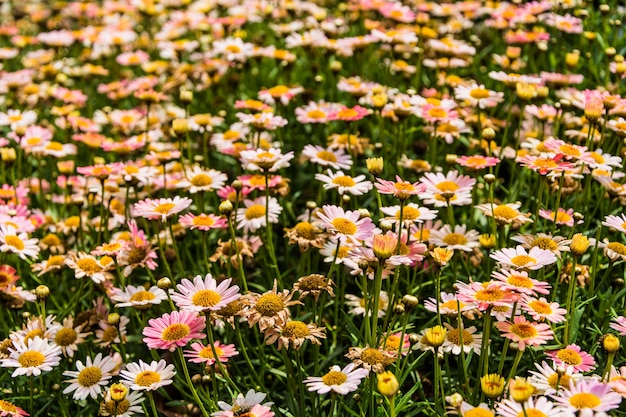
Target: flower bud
{"type": "Point", "coordinates": [435, 336]}
{"type": "Point", "coordinates": [489, 178]}
{"type": "Point", "coordinates": [118, 392]}
{"type": "Point", "coordinates": [164, 283]}
{"type": "Point", "coordinates": [521, 390]}
{"type": "Point", "coordinates": [492, 385]}
{"type": "Point", "coordinates": [180, 126]}
{"type": "Point", "coordinates": [579, 244]}
{"type": "Point", "coordinates": [113, 319]}
{"type": "Point", "coordinates": [488, 133]}
{"type": "Point", "coordinates": [487, 241]}
{"type": "Point", "coordinates": [186, 96]}
{"type": "Point", "coordinates": [226, 207]}
{"type": "Point", "coordinates": [409, 301]}
{"type": "Point", "coordinates": [388, 384]}
{"type": "Point", "coordinates": [42, 292]}
{"type": "Point", "coordinates": [375, 165]}
{"type": "Point", "coordinates": [611, 343]}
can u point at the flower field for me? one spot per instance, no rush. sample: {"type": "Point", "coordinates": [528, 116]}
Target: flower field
{"type": "Point", "coordinates": [312, 208]}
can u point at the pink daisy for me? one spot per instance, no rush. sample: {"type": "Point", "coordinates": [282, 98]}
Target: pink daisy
{"type": "Point", "coordinates": [588, 397]}
{"type": "Point", "coordinates": [573, 356]}
{"type": "Point", "coordinates": [518, 258]}
{"type": "Point", "coordinates": [616, 222]}
{"type": "Point", "coordinates": [399, 188]}
{"type": "Point", "coordinates": [619, 325]}
{"type": "Point", "coordinates": [163, 208]}
{"type": "Point", "coordinates": [200, 353]}
{"type": "Point", "coordinates": [541, 309]}
{"type": "Point", "coordinates": [349, 114]}
{"type": "Point", "coordinates": [346, 225]}
{"type": "Point", "coordinates": [450, 188]}
{"type": "Point", "coordinates": [476, 162]}
{"type": "Point", "coordinates": [334, 158]}
{"type": "Point", "coordinates": [344, 183]}
{"type": "Point", "coordinates": [204, 294]}
{"type": "Point", "coordinates": [203, 222]}
{"type": "Point", "coordinates": [520, 282]}
{"type": "Point", "coordinates": [270, 160]}
{"type": "Point", "coordinates": [174, 330]}
{"type": "Point", "coordinates": [316, 112]}
{"type": "Point", "coordinates": [564, 217]}
{"type": "Point", "coordinates": [524, 332]}
{"type": "Point", "coordinates": [545, 164]}
{"type": "Point", "coordinates": [485, 294]}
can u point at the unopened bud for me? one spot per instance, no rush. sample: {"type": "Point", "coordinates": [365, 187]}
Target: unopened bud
{"type": "Point", "coordinates": [610, 343]}
{"type": "Point", "coordinates": [164, 283]}
{"type": "Point", "coordinates": [388, 384]}
{"type": "Point", "coordinates": [113, 319]}
{"type": "Point", "coordinates": [410, 301]}
{"type": "Point", "coordinates": [226, 207]}
{"type": "Point", "coordinates": [42, 292]}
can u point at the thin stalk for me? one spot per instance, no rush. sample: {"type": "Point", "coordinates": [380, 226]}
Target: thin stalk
{"type": "Point", "coordinates": [183, 363]}
{"type": "Point", "coordinates": [570, 302]}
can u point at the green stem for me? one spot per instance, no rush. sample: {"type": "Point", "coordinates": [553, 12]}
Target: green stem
{"type": "Point", "coordinates": [570, 302]}
{"type": "Point", "coordinates": [155, 413]}
{"type": "Point", "coordinates": [518, 357]}
{"type": "Point", "coordinates": [270, 239]}
{"type": "Point", "coordinates": [183, 363]}
{"type": "Point", "coordinates": [378, 283]}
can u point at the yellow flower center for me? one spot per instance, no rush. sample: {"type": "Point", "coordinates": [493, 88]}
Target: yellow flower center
{"type": "Point", "coordinates": [475, 161]}
{"type": "Point", "coordinates": [563, 217]}
{"type": "Point", "coordinates": [89, 376]}
{"type": "Point", "coordinates": [234, 49]}
{"type": "Point", "coordinates": [34, 333]}
{"type": "Point", "coordinates": [569, 150]}
{"type": "Point", "coordinates": [73, 221]}
{"type": "Point", "coordinates": [142, 295]}
{"type": "Point", "coordinates": [316, 114]}
{"type": "Point", "coordinates": [597, 157]}
{"type": "Point", "coordinates": [175, 332]}
{"type": "Point", "coordinates": [201, 180]}
{"type": "Point", "coordinates": [164, 208]}
{"type": "Point", "coordinates": [306, 230]}
{"type": "Point", "coordinates": [231, 135]}
{"type": "Point", "coordinates": [532, 412]}
{"type": "Point", "coordinates": [344, 226]}
{"type": "Point", "coordinates": [347, 114]}
{"type": "Point", "coordinates": [452, 305]}
{"type": "Point", "coordinates": [408, 213]}
{"type": "Point", "coordinates": [296, 330]}
{"type": "Point", "coordinates": [545, 243]}
{"type": "Point", "coordinates": [205, 221]}
{"type": "Point", "coordinates": [584, 400]}
{"type": "Point", "coordinates": [489, 294]}
{"type": "Point", "coordinates": [266, 155]}
{"type": "Point", "coordinates": [540, 307]}
{"type": "Point", "coordinates": [617, 248]}
{"type": "Point", "coordinates": [334, 378]}
{"type": "Point", "coordinates": [524, 330]}
{"type": "Point", "coordinates": [31, 358]}
{"type": "Point", "coordinates": [51, 240]}
{"type": "Point", "coordinates": [437, 112]}
{"type": "Point", "coordinates": [570, 357]}
{"type": "Point", "coordinates": [88, 265]}
{"type": "Point", "coordinates": [478, 412]}
{"type": "Point", "coordinates": [110, 334]}
{"type": "Point", "coordinates": [372, 356]}
{"type": "Point", "coordinates": [54, 146]}
{"type": "Point", "coordinates": [206, 298]}
{"type": "Point", "coordinates": [505, 212]}
{"type": "Point", "coordinates": [269, 305]}
{"type": "Point", "coordinates": [523, 260]}
{"type": "Point", "coordinates": [404, 187]}
{"type": "Point", "coordinates": [207, 352]}
{"type": "Point", "coordinates": [479, 93]}
{"type": "Point", "coordinates": [343, 252]}
{"type": "Point", "coordinates": [327, 156]}
{"type": "Point", "coordinates": [452, 239]}
{"type": "Point", "coordinates": [255, 211]}
{"type": "Point", "coordinates": [8, 407]}
{"type": "Point", "coordinates": [278, 91]}
{"type": "Point", "coordinates": [454, 337]}
{"type": "Point", "coordinates": [392, 343]}
{"type": "Point", "coordinates": [14, 241]}
{"type": "Point", "coordinates": [563, 381]}
{"type": "Point", "coordinates": [520, 281]}
{"type": "Point", "coordinates": [65, 337]}
{"type": "Point", "coordinates": [344, 181]}
{"type": "Point", "coordinates": [447, 186]}
{"type": "Point", "coordinates": [147, 378]}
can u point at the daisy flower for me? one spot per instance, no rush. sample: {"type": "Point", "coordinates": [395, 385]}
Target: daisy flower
{"type": "Point", "coordinates": [279, 92]}
{"type": "Point", "coordinates": [294, 333]}
{"type": "Point", "coordinates": [357, 304]}
{"type": "Point", "coordinates": [341, 381]}
{"type": "Point", "coordinates": [471, 340]}
{"type": "Point", "coordinates": [556, 244]}
{"type": "Point", "coordinates": [11, 410]}
{"type": "Point", "coordinates": [249, 404]}
{"type": "Point", "coordinates": [541, 309]}
{"type": "Point", "coordinates": [394, 342]}
{"type": "Point", "coordinates": [545, 164]}
{"type": "Point", "coordinates": [263, 121]}
{"type": "Point", "coordinates": [316, 112]}
{"type": "Point", "coordinates": [269, 309]}
{"type": "Point", "coordinates": [573, 356]}
{"type": "Point", "coordinates": [138, 297]}
{"type": "Point", "coordinates": [253, 216]}
{"type": "Point", "coordinates": [450, 188]}
{"type": "Point", "coordinates": [565, 217]}
{"type": "Point", "coordinates": [313, 284]}
{"type": "Point", "coordinates": [545, 379]}
{"type": "Point", "coordinates": [204, 294]}
{"type": "Point", "coordinates": [344, 183]}
{"type": "Point", "coordinates": [399, 188]}
{"type": "Point", "coordinates": [203, 222]}
{"type": "Point", "coordinates": [333, 158]}
{"type": "Point", "coordinates": [68, 337]}
{"type": "Point", "coordinates": [616, 222]}
{"type": "Point", "coordinates": [614, 250]}
{"type": "Point", "coordinates": [31, 357]}
{"type": "Point", "coordinates": [524, 332]}
{"type": "Point", "coordinates": [532, 407]}
{"type": "Point", "coordinates": [270, 160]}
{"type": "Point", "coordinates": [88, 379]}
{"type": "Point", "coordinates": [449, 305]}
{"type": "Point", "coordinates": [520, 282]}
{"type": "Point", "coordinates": [85, 265]}
{"type": "Point", "coordinates": [346, 225]}
{"type": "Point", "coordinates": [477, 162]}
{"type": "Point", "coordinates": [619, 324]}
{"type": "Point", "coordinates": [482, 410]}
{"type": "Point", "coordinates": [200, 353]}
{"type": "Point", "coordinates": [485, 294]}
{"type": "Point", "coordinates": [20, 244]}
{"type": "Point", "coordinates": [588, 398]}
{"type": "Point", "coordinates": [460, 239]}
{"type": "Point", "coordinates": [505, 213]}
{"type": "Point", "coordinates": [411, 213]}
{"type": "Point", "coordinates": [141, 376]}
{"type": "Point", "coordinates": [349, 114]}
{"type": "Point", "coordinates": [370, 358]}
{"type": "Point", "coordinates": [477, 95]}
{"type": "Point", "coordinates": [163, 208]}
{"type": "Point", "coordinates": [202, 180]}
{"type": "Point", "coordinates": [129, 406]}
{"type": "Point", "coordinates": [518, 258]}
{"type": "Point", "coordinates": [174, 329]}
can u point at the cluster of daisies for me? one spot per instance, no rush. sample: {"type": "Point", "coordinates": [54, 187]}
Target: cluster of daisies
{"type": "Point", "coordinates": [204, 204]}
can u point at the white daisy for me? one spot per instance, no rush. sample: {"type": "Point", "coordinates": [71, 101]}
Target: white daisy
{"type": "Point", "coordinates": [89, 378]}
{"type": "Point", "coordinates": [148, 377]}
{"type": "Point", "coordinates": [32, 358]}
{"type": "Point", "coordinates": [341, 381]}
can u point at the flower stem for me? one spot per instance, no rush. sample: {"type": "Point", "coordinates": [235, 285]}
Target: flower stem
{"type": "Point", "coordinates": [183, 364]}
{"type": "Point", "coordinates": [570, 302]}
